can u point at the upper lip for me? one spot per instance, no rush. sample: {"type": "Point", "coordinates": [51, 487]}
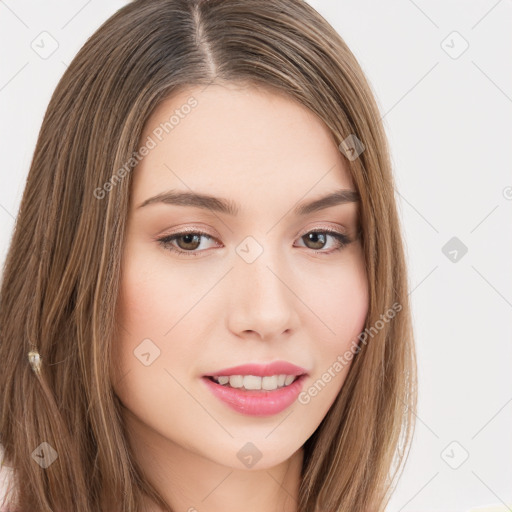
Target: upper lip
{"type": "Point", "coordinates": [262, 370]}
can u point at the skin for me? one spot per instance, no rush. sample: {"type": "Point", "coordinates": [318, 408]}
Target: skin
{"type": "Point", "coordinates": [265, 152]}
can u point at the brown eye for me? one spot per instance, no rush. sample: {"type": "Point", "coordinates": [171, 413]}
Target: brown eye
{"type": "Point", "coordinates": [184, 243]}
{"type": "Point", "coordinates": [190, 241]}
{"type": "Point", "coordinates": [316, 240]}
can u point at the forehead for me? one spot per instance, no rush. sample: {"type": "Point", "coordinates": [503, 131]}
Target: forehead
{"type": "Point", "coordinates": [235, 140]}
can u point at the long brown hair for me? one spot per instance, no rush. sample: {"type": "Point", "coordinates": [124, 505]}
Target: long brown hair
{"type": "Point", "coordinates": [61, 276]}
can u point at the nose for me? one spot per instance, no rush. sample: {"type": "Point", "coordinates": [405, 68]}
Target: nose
{"type": "Point", "coordinates": [261, 299]}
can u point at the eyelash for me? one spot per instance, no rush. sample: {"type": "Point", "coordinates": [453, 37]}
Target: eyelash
{"type": "Point", "coordinates": [342, 241]}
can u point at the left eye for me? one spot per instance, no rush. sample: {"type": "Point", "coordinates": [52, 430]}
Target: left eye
{"type": "Point", "coordinates": [191, 241]}
{"type": "Point", "coordinates": [188, 242]}
{"type": "Point", "coordinates": [320, 237]}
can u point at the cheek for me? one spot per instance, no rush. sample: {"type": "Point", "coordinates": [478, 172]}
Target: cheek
{"type": "Point", "coordinates": [342, 303]}
{"type": "Point", "coordinates": [154, 298]}
{"type": "Point", "coordinates": [149, 360]}
{"type": "Point", "coordinates": [152, 294]}
{"type": "Point", "coordinates": [342, 308]}
{"type": "Point", "coordinates": [143, 315]}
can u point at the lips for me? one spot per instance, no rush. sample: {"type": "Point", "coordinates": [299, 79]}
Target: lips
{"type": "Point", "coordinates": [262, 370]}
{"type": "Point", "coordinates": [256, 403]}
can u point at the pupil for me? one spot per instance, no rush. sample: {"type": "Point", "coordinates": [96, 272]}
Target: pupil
{"type": "Point", "coordinates": [313, 236]}
{"type": "Point", "coordinates": [189, 239]}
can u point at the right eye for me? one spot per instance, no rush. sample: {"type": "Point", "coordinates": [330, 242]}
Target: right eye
{"type": "Point", "coordinates": [188, 240]}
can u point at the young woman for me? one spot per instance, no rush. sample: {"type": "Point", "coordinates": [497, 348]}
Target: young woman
{"type": "Point", "coordinates": [204, 305]}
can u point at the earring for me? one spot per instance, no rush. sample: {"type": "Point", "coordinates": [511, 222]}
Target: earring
{"type": "Point", "coordinates": [35, 361]}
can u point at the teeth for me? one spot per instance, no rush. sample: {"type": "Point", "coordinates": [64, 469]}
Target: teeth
{"type": "Point", "coordinates": [267, 383]}
{"type": "Point", "coordinates": [236, 381]}
{"type": "Point", "coordinates": [289, 379]}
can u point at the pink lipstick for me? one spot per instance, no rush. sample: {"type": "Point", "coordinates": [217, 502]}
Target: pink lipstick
{"type": "Point", "coordinates": [257, 389]}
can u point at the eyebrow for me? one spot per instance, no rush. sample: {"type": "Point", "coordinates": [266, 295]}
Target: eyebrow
{"type": "Point", "coordinates": [226, 206]}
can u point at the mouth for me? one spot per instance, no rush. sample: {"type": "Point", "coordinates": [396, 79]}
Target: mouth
{"type": "Point", "coordinates": [254, 382]}
{"type": "Point", "coordinates": [255, 400]}
{"type": "Point", "coordinates": [266, 376]}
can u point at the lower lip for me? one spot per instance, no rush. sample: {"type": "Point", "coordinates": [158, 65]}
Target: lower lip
{"type": "Point", "coordinates": [257, 402]}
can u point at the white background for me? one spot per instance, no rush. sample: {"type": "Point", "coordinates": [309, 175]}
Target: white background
{"type": "Point", "coordinates": [449, 125]}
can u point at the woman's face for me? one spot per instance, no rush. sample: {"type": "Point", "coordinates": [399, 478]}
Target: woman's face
{"type": "Point", "coordinates": [264, 282]}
